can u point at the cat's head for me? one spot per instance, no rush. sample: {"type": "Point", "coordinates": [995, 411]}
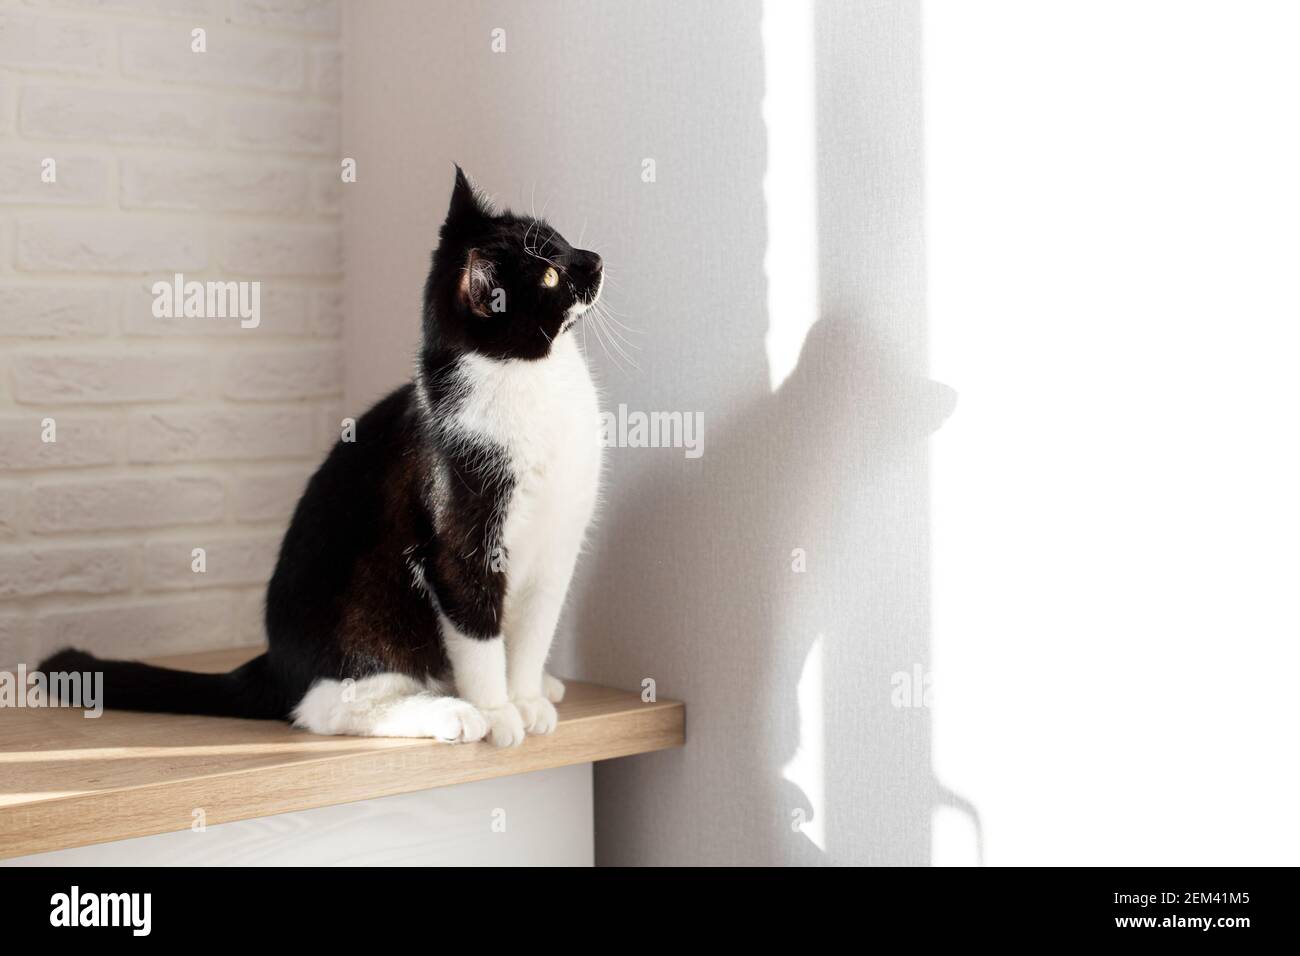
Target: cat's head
{"type": "Point", "coordinates": [503, 285]}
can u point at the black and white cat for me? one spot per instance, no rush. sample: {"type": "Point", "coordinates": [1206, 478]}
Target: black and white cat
{"type": "Point", "coordinates": [420, 581]}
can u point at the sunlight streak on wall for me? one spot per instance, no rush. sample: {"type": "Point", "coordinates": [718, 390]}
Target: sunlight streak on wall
{"type": "Point", "coordinates": [1111, 247]}
{"type": "Point", "coordinates": [807, 768]}
{"type": "Point", "coordinates": [790, 182]}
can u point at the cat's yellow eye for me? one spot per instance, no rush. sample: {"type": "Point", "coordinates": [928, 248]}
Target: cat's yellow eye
{"type": "Point", "coordinates": [550, 278]}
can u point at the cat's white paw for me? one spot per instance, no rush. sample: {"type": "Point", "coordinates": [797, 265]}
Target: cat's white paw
{"type": "Point", "coordinates": [553, 688]}
{"type": "Point", "coordinates": [448, 719]}
{"type": "Point", "coordinates": [505, 726]}
{"type": "Point", "coordinates": [457, 721]}
{"type": "Point", "coordinates": [538, 714]}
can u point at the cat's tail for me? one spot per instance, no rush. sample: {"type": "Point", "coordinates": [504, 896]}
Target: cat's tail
{"type": "Point", "coordinates": [247, 691]}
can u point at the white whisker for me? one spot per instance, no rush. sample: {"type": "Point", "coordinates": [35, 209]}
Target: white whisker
{"type": "Point", "coordinates": [615, 334]}
{"type": "Point", "coordinates": [600, 338]}
{"type": "Point", "coordinates": [606, 334]}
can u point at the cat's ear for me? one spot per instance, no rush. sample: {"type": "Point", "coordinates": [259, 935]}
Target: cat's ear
{"type": "Point", "coordinates": [476, 284]}
{"type": "Point", "coordinates": [468, 208]}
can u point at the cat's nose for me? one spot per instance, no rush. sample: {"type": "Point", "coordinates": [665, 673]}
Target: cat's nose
{"type": "Point", "coordinates": [589, 261]}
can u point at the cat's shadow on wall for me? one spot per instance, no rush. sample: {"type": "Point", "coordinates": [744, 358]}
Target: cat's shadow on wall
{"type": "Point", "coordinates": [801, 543]}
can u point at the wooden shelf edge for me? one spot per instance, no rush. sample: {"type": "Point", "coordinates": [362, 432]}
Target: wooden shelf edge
{"type": "Point", "coordinates": [371, 770]}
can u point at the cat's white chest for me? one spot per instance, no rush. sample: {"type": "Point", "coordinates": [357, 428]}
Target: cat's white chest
{"type": "Point", "coordinates": [545, 415]}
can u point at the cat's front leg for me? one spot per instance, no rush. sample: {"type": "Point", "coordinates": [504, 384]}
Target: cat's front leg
{"type": "Point", "coordinates": [478, 666]}
{"type": "Point", "coordinates": [469, 600]}
{"type": "Point", "coordinates": [528, 642]}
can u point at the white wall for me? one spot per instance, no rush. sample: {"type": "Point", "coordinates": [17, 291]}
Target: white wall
{"type": "Point", "coordinates": [174, 434]}
{"type": "Point", "coordinates": [689, 580]}
{"type": "Point", "coordinates": [1103, 542]}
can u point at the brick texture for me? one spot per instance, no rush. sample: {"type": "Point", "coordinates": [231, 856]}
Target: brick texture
{"type": "Point", "coordinates": [220, 434]}
{"type": "Point", "coordinates": [70, 441]}
{"type": "Point", "coordinates": [269, 496]}
{"type": "Point", "coordinates": [62, 378]}
{"type": "Point", "coordinates": [223, 562]}
{"type": "Point", "coordinates": [194, 183]}
{"type": "Point", "coordinates": [110, 503]}
{"type": "Point", "coordinates": [171, 432]}
{"type": "Point", "coordinates": [72, 179]}
{"type": "Point", "coordinates": [91, 569]}
{"type": "Point", "coordinates": [52, 311]}
{"type": "Point", "coordinates": [111, 116]}
{"type": "Point", "coordinates": [166, 54]}
{"type": "Point", "coordinates": [138, 628]}
{"type": "Point", "coordinates": [60, 45]}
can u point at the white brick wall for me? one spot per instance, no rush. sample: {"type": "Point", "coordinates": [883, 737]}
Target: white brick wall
{"type": "Point", "coordinates": [178, 433]}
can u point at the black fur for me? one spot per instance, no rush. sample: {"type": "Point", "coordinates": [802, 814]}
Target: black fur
{"type": "Point", "coordinates": [364, 569]}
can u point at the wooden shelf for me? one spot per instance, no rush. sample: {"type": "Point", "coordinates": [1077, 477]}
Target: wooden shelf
{"type": "Point", "coordinates": [68, 781]}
